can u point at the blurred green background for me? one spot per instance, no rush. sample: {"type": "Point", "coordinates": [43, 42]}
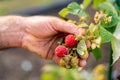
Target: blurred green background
{"type": "Point", "coordinates": [7, 6]}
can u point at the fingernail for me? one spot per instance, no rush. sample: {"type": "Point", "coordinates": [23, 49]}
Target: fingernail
{"type": "Point", "coordinates": [80, 31]}
{"type": "Point", "coordinates": [82, 63]}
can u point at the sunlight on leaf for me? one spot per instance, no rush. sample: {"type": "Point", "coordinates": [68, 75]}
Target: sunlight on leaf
{"type": "Point", "coordinates": [113, 22]}
{"type": "Point", "coordinates": [116, 43]}
{"type": "Point", "coordinates": [64, 12]}
{"type": "Point", "coordinates": [73, 8]}
{"type": "Point", "coordinates": [97, 2]}
{"type": "Point", "coordinates": [117, 32]}
{"type": "Point", "coordinates": [107, 6]}
{"type": "Point", "coordinates": [106, 35]}
{"type": "Point", "coordinates": [82, 48]}
{"type": "Point", "coordinates": [116, 49]}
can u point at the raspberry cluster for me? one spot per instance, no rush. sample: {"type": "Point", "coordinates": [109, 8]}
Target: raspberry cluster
{"type": "Point", "coordinates": [68, 52]}
{"type": "Point", "coordinates": [70, 42]}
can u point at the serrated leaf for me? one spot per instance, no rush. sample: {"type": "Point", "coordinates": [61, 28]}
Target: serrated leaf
{"type": "Point", "coordinates": [113, 22]}
{"type": "Point", "coordinates": [76, 9]}
{"type": "Point", "coordinates": [116, 49]}
{"type": "Point", "coordinates": [86, 3]}
{"type": "Point", "coordinates": [96, 3]}
{"type": "Point", "coordinates": [107, 6]}
{"type": "Point", "coordinates": [110, 10]}
{"type": "Point", "coordinates": [105, 35]}
{"type": "Point", "coordinates": [117, 32]}
{"type": "Point", "coordinates": [64, 12]}
{"type": "Point", "coordinates": [73, 8]}
{"type": "Point", "coordinates": [73, 5]}
{"type": "Point", "coordinates": [97, 53]}
{"type": "Point", "coordinates": [82, 48]}
{"type": "Point", "coordinates": [116, 43]}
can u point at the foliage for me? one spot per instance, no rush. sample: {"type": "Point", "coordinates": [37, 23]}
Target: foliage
{"type": "Point", "coordinates": [106, 35]}
{"type": "Point", "coordinates": [51, 72]}
{"type": "Point", "coordinates": [116, 44]}
{"type": "Point", "coordinates": [81, 48]}
{"type": "Point", "coordinates": [97, 53]}
{"type": "Point", "coordinates": [102, 30]}
{"type": "Point", "coordinates": [86, 3]}
{"type": "Point", "coordinates": [73, 8]}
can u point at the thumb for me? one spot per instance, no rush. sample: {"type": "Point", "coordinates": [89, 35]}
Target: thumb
{"type": "Point", "coordinates": [63, 26]}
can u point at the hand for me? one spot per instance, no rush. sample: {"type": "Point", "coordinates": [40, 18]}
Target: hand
{"type": "Point", "coordinates": [43, 34]}
{"type": "Point", "coordinates": [40, 35]}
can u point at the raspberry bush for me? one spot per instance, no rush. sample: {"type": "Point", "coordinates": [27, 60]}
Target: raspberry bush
{"type": "Point", "coordinates": [103, 28]}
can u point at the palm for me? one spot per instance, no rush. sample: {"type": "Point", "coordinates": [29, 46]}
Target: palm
{"type": "Point", "coordinates": [43, 33]}
{"type": "Point", "coordinates": [42, 38]}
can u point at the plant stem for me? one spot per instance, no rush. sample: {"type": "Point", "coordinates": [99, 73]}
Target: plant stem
{"type": "Point", "coordinates": [110, 64]}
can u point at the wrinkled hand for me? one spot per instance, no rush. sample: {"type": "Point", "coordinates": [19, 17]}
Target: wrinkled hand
{"type": "Point", "coordinates": [42, 35]}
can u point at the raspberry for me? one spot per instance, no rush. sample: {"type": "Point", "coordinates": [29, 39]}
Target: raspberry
{"type": "Point", "coordinates": [60, 51]}
{"type": "Point", "coordinates": [70, 40]}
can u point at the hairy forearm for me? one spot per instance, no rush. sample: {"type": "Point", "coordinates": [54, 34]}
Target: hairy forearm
{"type": "Point", "coordinates": [11, 31]}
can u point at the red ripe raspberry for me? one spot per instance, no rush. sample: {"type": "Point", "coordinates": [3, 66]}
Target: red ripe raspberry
{"type": "Point", "coordinates": [70, 40]}
{"type": "Point", "coordinates": [60, 51]}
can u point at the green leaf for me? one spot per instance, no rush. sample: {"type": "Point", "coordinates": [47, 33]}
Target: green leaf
{"type": "Point", "coordinates": [107, 6]}
{"type": "Point", "coordinates": [113, 22]}
{"type": "Point", "coordinates": [97, 53]}
{"type": "Point", "coordinates": [73, 5]}
{"type": "Point", "coordinates": [116, 49]}
{"type": "Point", "coordinates": [76, 9]}
{"type": "Point", "coordinates": [105, 35]}
{"type": "Point", "coordinates": [82, 48]}
{"type": "Point", "coordinates": [96, 3]}
{"type": "Point", "coordinates": [73, 8]}
{"type": "Point", "coordinates": [64, 12]}
{"type": "Point", "coordinates": [116, 43]}
{"type": "Point", "coordinates": [86, 3]}
{"type": "Point", "coordinates": [110, 10]}
{"type": "Point", "coordinates": [117, 32]}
